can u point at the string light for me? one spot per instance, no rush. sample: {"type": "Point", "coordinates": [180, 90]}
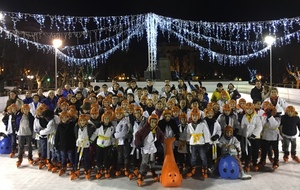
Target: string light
{"type": "Point", "coordinates": [239, 41]}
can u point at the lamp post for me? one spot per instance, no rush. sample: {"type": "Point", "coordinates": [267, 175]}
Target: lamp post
{"type": "Point", "coordinates": [56, 44]}
{"type": "Point", "coordinates": [269, 40]}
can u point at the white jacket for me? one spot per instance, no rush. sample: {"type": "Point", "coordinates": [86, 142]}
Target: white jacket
{"type": "Point", "coordinates": [217, 131]}
{"type": "Point", "coordinates": [50, 130]}
{"type": "Point", "coordinates": [200, 135]}
{"type": "Point", "coordinates": [33, 108]}
{"type": "Point", "coordinates": [254, 127]}
{"type": "Point", "coordinates": [121, 131]}
{"type": "Point", "coordinates": [270, 130]}
{"type": "Point", "coordinates": [149, 146]}
{"type": "Point", "coordinates": [104, 136]}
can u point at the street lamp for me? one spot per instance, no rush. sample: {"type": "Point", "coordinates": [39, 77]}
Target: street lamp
{"type": "Point", "coordinates": [56, 44]}
{"type": "Point", "coordinates": [269, 40]}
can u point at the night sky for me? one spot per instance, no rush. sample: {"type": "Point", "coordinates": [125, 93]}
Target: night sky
{"type": "Point", "coordinates": [184, 9]}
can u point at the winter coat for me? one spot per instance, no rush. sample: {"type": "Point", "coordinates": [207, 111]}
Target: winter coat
{"type": "Point", "coordinates": [289, 125]}
{"type": "Point", "coordinates": [141, 135]}
{"type": "Point", "coordinates": [65, 138]}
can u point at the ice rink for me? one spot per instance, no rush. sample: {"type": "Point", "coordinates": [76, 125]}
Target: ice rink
{"type": "Point", "coordinates": [287, 176]}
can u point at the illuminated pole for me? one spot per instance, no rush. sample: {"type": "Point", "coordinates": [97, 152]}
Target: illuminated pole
{"type": "Point", "coordinates": [269, 40]}
{"type": "Point", "coordinates": [56, 44]}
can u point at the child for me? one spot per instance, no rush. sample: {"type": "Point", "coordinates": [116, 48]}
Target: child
{"type": "Point", "coordinates": [184, 156]}
{"type": "Point", "coordinates": [149, 138]}
{"type": "Point", "coordinates": [139, 122]}
{"type": "Point", "coordinates": [290, 122]}
{"type": "Point", "coordinates": [251, 128]}
{"type": "Point", "coordinates": [217, 109]}
{"type": "Point", "coordinates": [123, 139]}
{"type": "Point", "coordinates": [215, 133]}
{"type": "Point", "coordinates": [228, 118]}
{"type": "Point", "coordinates": [104, 142]}
{"type": "Point", "coordinates": [38, 124]}
{"type": "Point", "coordinates": [25, 133]}
{"type": "Point", "coordinates": [159, 108]}
{"type": "Point", "coordinates": [270, 135]}
{"type": "Point", "coordinates": [35, 104]}
{"type": "Point", "coordinates": [223, 100]}
{"type": "Point", "coordinates": [230, 145]}
{"type": "Point", "coordinates": [199, 142]}
{"type": "Point", "coordinates": [150, 107]}
{"type": "Point", "coordinates": [240, 109]}
{"type": "Point", "coordinates": [65, 140]}
{"type": "Point", "coordinates": [50, 130]}
{"type": "Point", "coordinates": [170, 129]}
{"type": "Point", "coordinates": [83, 132]}
{"type": "Point", "coordinates": [175, 114]}
{"type": "Point", "coordinates": [279, 103]}
{"type": "Point", "coordinates": [10, 121]}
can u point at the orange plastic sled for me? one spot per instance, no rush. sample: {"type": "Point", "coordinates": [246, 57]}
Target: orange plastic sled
{"type": "Point", "coordinates": [170, 175]}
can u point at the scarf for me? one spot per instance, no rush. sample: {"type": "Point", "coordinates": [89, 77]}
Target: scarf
{"type": "Point", "coordinates": [249, 117]}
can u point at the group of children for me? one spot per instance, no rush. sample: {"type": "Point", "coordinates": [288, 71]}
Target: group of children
{"type": "Point", "coordinates": [123, 134]}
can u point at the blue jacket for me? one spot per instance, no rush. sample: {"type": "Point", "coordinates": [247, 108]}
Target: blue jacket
{"type": "Point", "coordinates": [51, 103]}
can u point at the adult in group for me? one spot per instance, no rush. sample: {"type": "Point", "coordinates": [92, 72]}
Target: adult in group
{"type": "Point", "coordinates": [82, 89]}
{"type": "Point", "coordinates": [40, 93]}
{"type": "Point", "coordinates": [133, 88]}
{"type": "Point", "coordinates": [116, 89]}
{"type": "Point", "coordinates": [28, 97]}
{"type": "Point", "coordinates": [149, 86]}
{"type": "Point", "coordinates": [67, 90]}
{"type": "Point", "coordinates": [256, 91]}
{"type": "Point", "coordinates": [233, 92]}
{"type": "Point", "coordinates": [181, 85]}
{"type": "Point", "coordinates": [12, 99]}
{"type": "Point", "coordinates": [50, 100]}
{"type": "Point", "coordinates": [216, 95]}
{"type": "Point", "coordinates": [59, 93]}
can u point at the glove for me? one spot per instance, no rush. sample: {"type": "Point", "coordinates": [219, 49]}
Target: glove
{"type": "Point", "coordinates": [269, 114]}
{"type": "Point", "coordinates": [252, 137]}
{"type": "Point", "coordinates": [214, 138]}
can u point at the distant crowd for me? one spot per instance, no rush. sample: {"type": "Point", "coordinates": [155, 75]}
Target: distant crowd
{"type": "Point", "coordinates": [113, 130]}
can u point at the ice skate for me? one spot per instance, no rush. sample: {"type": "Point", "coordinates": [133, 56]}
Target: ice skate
{"type": "Point", "coordinates": [12, 154]}
{"type": "Point", "coordinates": [19, 162]}
{"type": "Point", "coordinates": [126, 172]}
{"type": "Point", "coordinates": [42, 164]}
{"type": "Point", "coordinates": [62, 171]}
{"type": "Point", "coordinates": [154, 175]}
{"type": "Point", "coordinates": [37, 160]}
{"type": "Point", "coordinates": [275, 165]}
{"type": "Point", "coordinates": [140, 180]}
{"type": "Point", "coordinates": [191, 173]}
{"type": "Point", "coordinates": [87, 174]}
{"type": "Point", "coordinates": [107, 174]}
{"type": "Point", "coordinates": [56, 167]}
{"type": "Point", "coordinates": [118, 173]}
{"type": "Point", "coordinates": [244, 176]}
{"type": "Point", "coordinates": [295, 158]}
{"type": "Point", "coordinates": [134, 174]}
{"type": "Point", "coordinates": [285, 158]}
{"type": "Point", "coordinates": [74, 174]}
{"type": "Point", "coordinates": [204, 173]}
{"type": "Point", "coordinates": [255, 167]}
{"type": "Point", "coordinates": [99, 174]}
{"type": "Point", "coordinates": [30, 161]}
